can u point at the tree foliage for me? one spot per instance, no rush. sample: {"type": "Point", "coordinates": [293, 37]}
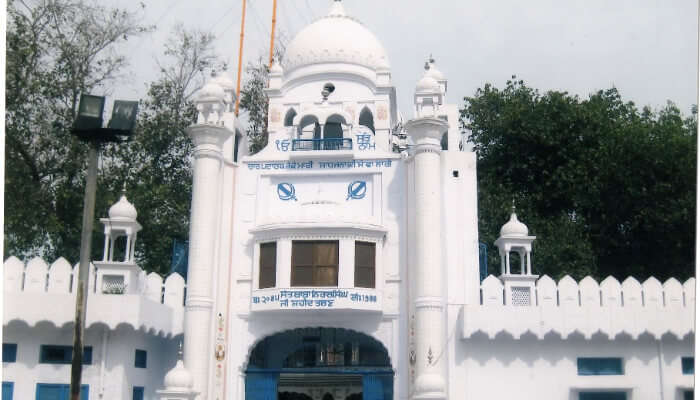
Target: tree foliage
{"type": "Point", "coordinates": [607, 188]}
{"type": "Point", "coordinates": [156, 166]}
{"type": "Point", "coordinates": [255, 102]}
{"type": "Point", "coordinates": [56, 50]}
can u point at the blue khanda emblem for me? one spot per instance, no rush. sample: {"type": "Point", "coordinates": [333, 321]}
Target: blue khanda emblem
{"type": "Point", "coordinates": [357, 190]}
{"type": "Point", "coordinates": [286, 191]}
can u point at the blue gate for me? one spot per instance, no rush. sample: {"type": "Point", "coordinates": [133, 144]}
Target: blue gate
{"type": "Point", "coordinates": [323, 353]}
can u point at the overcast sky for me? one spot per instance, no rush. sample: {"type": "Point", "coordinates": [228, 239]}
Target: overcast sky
{"type": "Point", "coordinates": [646, 48]}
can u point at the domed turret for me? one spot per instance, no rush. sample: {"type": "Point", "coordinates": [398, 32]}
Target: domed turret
{"type": "Point", "coordinates": [225, 82]}
{"type": "Point", "coordinates": [428, 96]}
{"type": "Point", "coordinates": [276, 68]}
{"type": "Point", "coordinates": [122, 210]}
{"type": "Point", "coordinates": [335, 38]}
{"type": "Point", "coordinates": [178, 382]}
{"type": "Point", "coordinates": [514, 238]}
{"type": "Point", "coordinates": [178, 378]}
{"type": "Point", "coordinates": [427, 84]}
{"type": "Point", "coordinates": [514, 228]}
{"type": "Point", "coordinates": [433, 72]}
{"type": "Point", "coordinates": [121, 222]}
{"type": "Point", "coordinates": [211, 92]}
{"type": "Point", "coordinates": [213, 99]}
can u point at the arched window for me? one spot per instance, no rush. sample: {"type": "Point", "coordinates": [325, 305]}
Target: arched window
{"type": "Point", "coordinates": [236, 144]}
{"type": "Point", "coordinates": [334, 128]}
{"type": "Point", "coordinates": [443, 141]}
{"type": "Point", "coordinates": [289, 117]}
{"type": "Point", "coordinates": [367, 119]}
{"type": "Point", "coordinates": [306, 131]}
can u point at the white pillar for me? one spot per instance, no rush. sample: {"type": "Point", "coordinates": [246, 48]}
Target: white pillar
{"type": "Point", "coordinates": [428, 302]}
{"type": "Point", "coordinates": [133, 247]}
{"type": "Point", "coordinates": [208, 141]}
{"type": "Point", "coordinates": [127, 248]}
{"type": "Point", "coordinates": [111, 248]}
{"type": "Point", "coordinates": [105, 253]}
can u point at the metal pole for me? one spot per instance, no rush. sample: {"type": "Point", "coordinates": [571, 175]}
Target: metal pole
{"type": "Point", "coordinates": [272, 32]}
{"type": "Point", "coordinates": [240, 59]}
{"type": "Point", "coordinates": [83, 270]}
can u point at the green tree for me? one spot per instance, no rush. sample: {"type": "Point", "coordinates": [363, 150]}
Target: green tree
{"type": "Point", "coordinates": [608, 189]}
{"type": "Point", "coordinates": [255, 102]}
{"type": "Point", "coordinates": [156, 166]}
{"type": "Point", "coordinates": [56, 50]}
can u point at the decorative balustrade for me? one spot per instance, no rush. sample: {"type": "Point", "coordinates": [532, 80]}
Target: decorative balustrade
{"type": "Point", "coordinates": [322, 144]}
{"type": "Point", "coordinates": [586, 307]}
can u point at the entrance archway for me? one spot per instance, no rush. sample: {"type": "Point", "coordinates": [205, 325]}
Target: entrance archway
{"type": "Point", "coordinates": [319, 364]}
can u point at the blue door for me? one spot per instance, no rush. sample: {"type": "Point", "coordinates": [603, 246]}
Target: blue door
{"type": "Point", "coordinates": [372, 388]}
{"type": "Point", "coordinates": [7, 389]}
{"type": "Point", "coordinates": [261, 386]}
{"type": "Point", "coordinates": [55, 391]}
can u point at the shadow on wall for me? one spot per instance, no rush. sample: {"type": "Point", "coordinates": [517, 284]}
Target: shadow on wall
{"type": "Point", "coordinates": [554, 350]}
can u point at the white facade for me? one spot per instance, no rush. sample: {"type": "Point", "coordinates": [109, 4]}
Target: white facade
{"type": "Point", "coordinates": [388, 303]}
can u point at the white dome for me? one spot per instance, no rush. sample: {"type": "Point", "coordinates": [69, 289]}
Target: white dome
{"type": "Point", "coordinates": [276, 68]}
{"type": "Point", "coordinates": [123, 210]}
{"type": "Point", "coordinates": [211, 92]}
{"type": "Point", "coordinates": [435, 73]}
{"type": "Point", "coordinates": [427, 84]}
{"type": "Point", "coordinates": [225, 82]}
{"type": "Point", "coordinates": [514, 227]}
{"type": "Point", "coordinates": [178, 378]}
{"type": "Point", "coordinates": [335, 38]}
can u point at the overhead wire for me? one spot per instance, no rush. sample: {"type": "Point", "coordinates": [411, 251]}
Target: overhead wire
{"type": "Point", "coordinates": [167, 11]}
{"type": "Point", "coordinates": [311, 10]}
{"type": "Point", "coordinates": [261, 26]}
{"type": "Point", "coordinates": [222, 17]}
{"type": "Point", "coordinates": [302, 16]}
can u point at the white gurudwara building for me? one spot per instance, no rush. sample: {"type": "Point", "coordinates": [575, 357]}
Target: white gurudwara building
{"type": "Point", "coordinates": [341, 262]}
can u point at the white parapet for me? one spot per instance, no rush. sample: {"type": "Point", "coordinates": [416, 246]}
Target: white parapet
{"type": "Point", "coordinates": [586, 308]}
{"type": "Point", "coordinates": [29, 289]}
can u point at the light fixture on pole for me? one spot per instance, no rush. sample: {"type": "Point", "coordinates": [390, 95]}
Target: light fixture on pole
{"type": "Point", "coordinates": [88, 128]}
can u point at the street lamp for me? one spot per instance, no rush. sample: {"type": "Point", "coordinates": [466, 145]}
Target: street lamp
{"type": "Point", "coordinates": [88, 128]}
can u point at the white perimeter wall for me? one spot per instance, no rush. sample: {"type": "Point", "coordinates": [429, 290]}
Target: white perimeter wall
{"type": "Point", "coordinates": [116, 378]}
{"type": "Point", "coordinates": [530, 368]}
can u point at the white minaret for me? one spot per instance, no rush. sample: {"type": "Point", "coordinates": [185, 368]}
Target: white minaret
{"type": "Point", "coordinates": [208, 135]}
{"type": "Point", "coordinates": [426, 130]}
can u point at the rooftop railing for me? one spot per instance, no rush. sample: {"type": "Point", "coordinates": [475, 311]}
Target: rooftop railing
{"type": "Point", "coordinates": [322, 144]}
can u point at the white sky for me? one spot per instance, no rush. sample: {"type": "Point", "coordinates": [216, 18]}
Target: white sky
{"type": "Point", "coordinates": [646, 48]}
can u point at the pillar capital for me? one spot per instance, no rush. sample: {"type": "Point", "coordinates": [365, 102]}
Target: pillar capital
{"type": "Point", "coordinates": [426, 133]}
{"type": "Point", "coordinates": [208, 139]}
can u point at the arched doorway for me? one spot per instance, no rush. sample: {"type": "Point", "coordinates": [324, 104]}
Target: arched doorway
{"type": "Point", "coordinates": [319, 364]}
